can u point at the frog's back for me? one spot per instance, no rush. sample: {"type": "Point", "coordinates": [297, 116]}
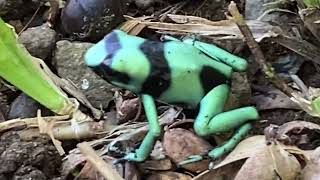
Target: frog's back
{"type": "Point", "coordinates": [180, 73]}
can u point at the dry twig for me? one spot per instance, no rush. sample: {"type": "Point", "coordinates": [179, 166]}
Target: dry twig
{"type": "Point", "coordinates": [256, 51]}
{"type": "Point", "coordinates": [105, 169]}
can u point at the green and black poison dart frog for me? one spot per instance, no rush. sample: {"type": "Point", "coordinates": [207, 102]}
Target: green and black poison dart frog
{"type": "Point", "coordinates": [190, 72]}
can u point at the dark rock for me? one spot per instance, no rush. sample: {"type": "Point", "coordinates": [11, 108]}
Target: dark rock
{"type": "Point", "coordinates": [17, 154]}
{"type": "Point", "coordinates": [70, 65]}
{"type": "Point", "coordinates": [92, 19]}
{"type": "Point", "coordinates": [254, 8]}
{"type": "Point", "coordinates": [144, 4]}
{"type": "Point", "coordinates": [39, 41]}
{"type": "Point", "coordinates": [29, 172]}
{"type": "Point", "coordinates": [26, 107]}
{"type": "Point", "coordinates": [23, 107]}
{"type": "Point", "coordinates": [17, 9]}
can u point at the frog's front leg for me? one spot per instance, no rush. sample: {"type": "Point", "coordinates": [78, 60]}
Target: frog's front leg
{"type": "Point", "coordinates": [211, 120]}
{"type": "Point", "coordinates": [154, 132]}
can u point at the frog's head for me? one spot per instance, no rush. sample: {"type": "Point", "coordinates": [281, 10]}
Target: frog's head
{"type": "Point", "coordinates": [100, 57]}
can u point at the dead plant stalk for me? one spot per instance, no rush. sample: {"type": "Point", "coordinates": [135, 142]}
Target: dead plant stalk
{"type": "Point", "coordinates": [256, 51]}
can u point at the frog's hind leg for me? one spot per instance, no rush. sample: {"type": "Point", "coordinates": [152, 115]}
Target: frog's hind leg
{"type": "Point", "coordinates": [211, 120]}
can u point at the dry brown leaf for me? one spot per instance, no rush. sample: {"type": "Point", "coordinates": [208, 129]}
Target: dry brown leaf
{"type": "Point", "coordinates": [105, 168]}
{"type": "Point", "coordinates": [158, 165]}
{"type": "Point", "coordinates": [309, 17]}
{"type": "Point", "coordinates": [225, 29]}
{"type": "Point", "coordinates": [179, 144]}
{"type": "Point", "coordinates": [245, 149]}
{"type": "Point", "coordinates": [274, 99]}
{"type": "Point", "coordinates": [227, 172]}
{"type": "Point", "coordinates": [169, 176]}
{"type": "Point", "coordinates": [128, 109]}
{"type": "Point", "coordinates": [268, 164]}
{"type": "Point", "coordinates": [132, 25]}
{"type": "Point", "coordinates": [131, 172]}
{"type": "Point", "coordinates": [70, 162]}
{"type": "Point", "coordinates": [298, 133]}
{"type": "Point", "coordinates": [312, 169]}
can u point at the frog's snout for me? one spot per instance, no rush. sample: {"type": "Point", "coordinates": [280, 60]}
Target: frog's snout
{"type": "Point", "coordinates": [95, 55]}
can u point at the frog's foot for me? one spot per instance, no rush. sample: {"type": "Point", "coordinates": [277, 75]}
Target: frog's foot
{"type": "Point", "coordinates": [131, 157]}
{"type": "Point", "coordinates": [191, 159]}
{"type": "Point", "coordinates": [232, 143]}
{"type": "Point", "coordinates": [134, 157]}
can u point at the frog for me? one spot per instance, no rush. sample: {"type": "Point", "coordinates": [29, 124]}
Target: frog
{"type": "Point", "coordinates": [187, 72]}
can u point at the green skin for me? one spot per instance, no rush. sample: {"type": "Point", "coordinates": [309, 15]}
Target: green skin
{"type": "Point", "coordinates": [124, 55]}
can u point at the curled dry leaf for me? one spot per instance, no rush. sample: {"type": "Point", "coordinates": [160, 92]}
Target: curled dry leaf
{"type": "Point", "coordinates": [157, 165]}
{"type": "Point", "coordinates": [70, 162]}
{"type": "Point", "coordinates": [179, 144]}
{"type": "Point", "coordinates": [225, 29]}
{"type": "Point", "coordinates": [261, 161]}
{"type": "Point", "coordinates": [169, 176]}
{"type": "Point", "coordinates": [131, 172]}
{"type": "Point", "coordinates": [274, 99]}
{"type": "Point", "coordinates": [245, 149]}
{"type": "Point", "coordinates": [309, 17]}
{"type": "Point", "coordinates": [272, 162]}
{"type": "Point", "coordinates": [133, 133]}
{"type": "Point", "coordinates": [228, 172]}
{"type": "Point", "coordinates": [312, 169]}
{"type": "Point", "coordinates": [128, 110]}
{"type": "Point", "coordinates": [300, 133]}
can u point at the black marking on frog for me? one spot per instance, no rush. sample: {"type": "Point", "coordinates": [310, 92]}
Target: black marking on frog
{"type": "Point", "coordinates": [105, 71]}
{"type": "Point", "coordinates": [112, 43]}
{"type": "Point", "coordinates": [159, 79]}
{"type": "Point", "coordinates": [211, 78]}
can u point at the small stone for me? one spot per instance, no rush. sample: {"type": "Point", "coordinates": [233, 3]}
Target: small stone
{"type": "Point", "coordinates": [39, 40]}
{"type": "Point", "coordinates": [70, 65]}
{"type": "Point", "coordinates": [17, 9]}
{"type": "Point", "coordinates": [254, 8]}
{"type": "Point", "coordinates": [144, 4]}
{"type": "Point", "coordinates": [25, 107]}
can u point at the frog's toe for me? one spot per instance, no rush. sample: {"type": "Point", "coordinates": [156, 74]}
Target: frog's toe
{"type": "Point", "coordinates": [118, 161]}
{"type": "Point", "coordinates": [133, 157]}
{"type": "Point", "coordinates": [191, 159]}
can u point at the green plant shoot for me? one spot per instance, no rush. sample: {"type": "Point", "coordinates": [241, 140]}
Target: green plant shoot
{"type": "Point", "coordinates": [20, 69]}
{"type": "Point", "coordinates": [312, 3]}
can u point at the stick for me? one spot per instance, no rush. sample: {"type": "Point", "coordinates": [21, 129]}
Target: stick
{"type": "Point", "coordinates": [256, 51]}
{"type": "Point", "coordinates": [105, 169]}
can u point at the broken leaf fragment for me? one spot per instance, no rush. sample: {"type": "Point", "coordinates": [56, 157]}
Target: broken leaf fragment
{"type": "Point", "coordinates": [179, 144]}
{"type": "Point", "coordinates": [270, 163]}
{"type": "Point", "coordinates": [312, 169]}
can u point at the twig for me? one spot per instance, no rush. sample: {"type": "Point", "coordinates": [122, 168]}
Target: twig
{"type": "Point", "coordinates": [105, 169]}
{"type": "Point", "coordinates": [53, 11]}
{"type": "Point", "coordinates": [199, 7]}
{"type": "Point", "coordinates": [30, 20]}
{"type": "Point", "coordinates": [256, 51]}
{"type": "Point", "coordinates": [302, 47]}
{"type": "Point", "coordinates": [172, 10]}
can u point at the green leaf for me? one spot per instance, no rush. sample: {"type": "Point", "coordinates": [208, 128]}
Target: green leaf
{"type": "Point", "coordinates": [312, 3]}
{"type": "Point", "coordinates": [20, 69]}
